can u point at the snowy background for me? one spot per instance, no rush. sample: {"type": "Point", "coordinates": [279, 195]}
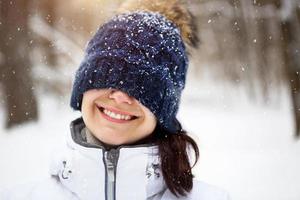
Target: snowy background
{"type": "Point", "coordinates": [246, 148]}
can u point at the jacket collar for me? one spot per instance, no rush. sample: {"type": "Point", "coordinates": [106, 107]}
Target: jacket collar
{"type": "Point", "coordinates": [80, 167]}
{"type": "Point", "coordinates": [81, 135]}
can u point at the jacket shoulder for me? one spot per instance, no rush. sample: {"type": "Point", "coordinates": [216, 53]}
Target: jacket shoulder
{"type": "Point", "coordinates": [201, 191]}
{"type": "Point", "coordinates": [47, 189]}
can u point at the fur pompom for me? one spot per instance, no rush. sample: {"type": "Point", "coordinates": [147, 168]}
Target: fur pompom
{"type": "Point", "coordinates": [174, 10]}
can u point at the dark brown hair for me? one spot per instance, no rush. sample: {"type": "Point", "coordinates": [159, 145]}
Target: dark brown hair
{"type": "Point", "coordinates": [175, 163]}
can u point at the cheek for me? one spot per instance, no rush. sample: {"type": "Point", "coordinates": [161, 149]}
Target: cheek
{"type": "Point", "coordinates": [88, 109]}
{"type": "Point", "coordinates": [149, 121]}
{"type": "Point", "coordinates": [148, 126]}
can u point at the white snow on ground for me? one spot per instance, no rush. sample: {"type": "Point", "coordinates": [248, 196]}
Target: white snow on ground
{"type": "Point", "coordinates": [247, 149]}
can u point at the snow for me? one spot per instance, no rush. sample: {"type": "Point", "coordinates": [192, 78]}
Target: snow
{"type": "Point", "coordinates": [25, 150]}
{"type": "Point", "coordinates": [248, 149]}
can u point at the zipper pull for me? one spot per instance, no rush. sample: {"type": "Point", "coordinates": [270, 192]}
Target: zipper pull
{"type": "Point", "coordinates": [111, 162]}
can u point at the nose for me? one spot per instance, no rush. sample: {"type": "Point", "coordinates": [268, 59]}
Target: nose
{"type": "Point", "coordinates": [120, 97]}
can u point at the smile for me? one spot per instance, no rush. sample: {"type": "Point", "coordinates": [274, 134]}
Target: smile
{"type": "Point", "coordinates": [115, 116]}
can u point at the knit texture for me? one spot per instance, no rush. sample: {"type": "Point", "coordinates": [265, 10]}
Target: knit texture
{"type": "Point", "coordinates": [140, 53]}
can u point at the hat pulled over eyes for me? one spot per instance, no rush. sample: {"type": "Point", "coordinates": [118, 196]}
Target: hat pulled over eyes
{"type": "Point", "coordinates": [140, 53]}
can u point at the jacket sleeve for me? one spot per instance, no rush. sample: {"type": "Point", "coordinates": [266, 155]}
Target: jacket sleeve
{"type": "Point", "coordinates": [200, 191]}
{"type": "Point", "coordinates": [47, 189]}
{"type": "Point", "coordinates": [3, 193]}
{"type": "Point", "coordinates": [17, 192]}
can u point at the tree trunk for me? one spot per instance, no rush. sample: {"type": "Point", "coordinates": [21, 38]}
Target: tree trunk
{"type": "Point", "coordinates": [291, 57]}
{"type": "Point", "coordinates": [21, 105]}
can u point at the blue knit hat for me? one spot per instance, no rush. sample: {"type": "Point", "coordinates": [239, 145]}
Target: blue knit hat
{"type": "Point", "coordinates": [140, 53]}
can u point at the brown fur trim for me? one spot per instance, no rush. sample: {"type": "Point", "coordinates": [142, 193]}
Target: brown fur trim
{"type": "Point", "coordinates": [174, 10]}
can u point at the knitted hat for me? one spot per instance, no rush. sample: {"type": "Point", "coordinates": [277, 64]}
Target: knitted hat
{"type": "Point", "coordinates": [140, 53]}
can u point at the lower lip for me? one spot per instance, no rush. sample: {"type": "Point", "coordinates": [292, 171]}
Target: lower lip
{"type": "Point", "coordinates": [114, 120]}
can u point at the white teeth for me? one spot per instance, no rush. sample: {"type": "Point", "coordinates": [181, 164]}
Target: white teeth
{"type": "Point", "coordinates": [116, 116]}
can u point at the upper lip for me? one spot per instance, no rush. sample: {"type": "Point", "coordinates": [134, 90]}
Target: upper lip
{"type": "Point", "coordinates": [116, 110]}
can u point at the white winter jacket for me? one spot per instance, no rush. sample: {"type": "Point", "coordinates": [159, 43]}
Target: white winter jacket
{"type": "Point", "coordinates": [84, 170]}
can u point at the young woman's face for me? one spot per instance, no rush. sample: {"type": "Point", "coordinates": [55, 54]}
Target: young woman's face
{"type": "Point", "coordinates": [116, 118]}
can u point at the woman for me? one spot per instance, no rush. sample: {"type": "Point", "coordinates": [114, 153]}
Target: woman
{"type": "Point", "coordinates": [128, 143]}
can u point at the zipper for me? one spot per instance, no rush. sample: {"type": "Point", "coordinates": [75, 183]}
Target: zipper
{"type": "Point", "coordinates": [110, 161]}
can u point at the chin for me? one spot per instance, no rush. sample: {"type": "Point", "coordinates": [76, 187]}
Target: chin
{"type": "Point", "coordinates": [112, 140]}
{"type": "Point", "coordinates": [116, 142]}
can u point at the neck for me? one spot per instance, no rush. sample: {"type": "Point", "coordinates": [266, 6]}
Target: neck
{"type": "Point", "coordinates": [90, 138]}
